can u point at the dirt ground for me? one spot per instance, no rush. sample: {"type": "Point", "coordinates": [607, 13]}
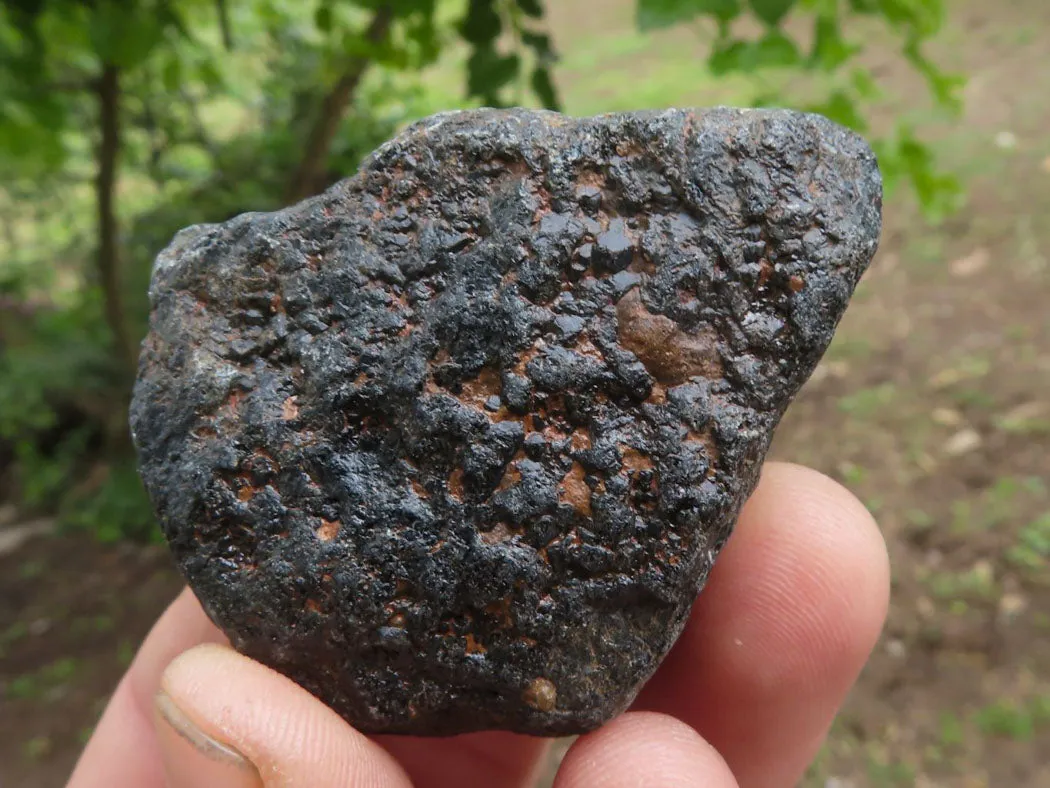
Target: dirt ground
{"type": "Point", "coordinates": [932, 405]}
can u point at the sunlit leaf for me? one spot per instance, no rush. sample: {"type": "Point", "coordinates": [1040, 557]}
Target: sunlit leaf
{"type": "Point", "coordinates": [841, 108]}
{"type": "Point", "coordinates": [830, 50]}
{"type": "Point", "coordinates": [774, 50]}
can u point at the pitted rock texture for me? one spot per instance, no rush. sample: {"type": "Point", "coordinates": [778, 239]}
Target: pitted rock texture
{"type": "Point", "coordinates": [455, 444]}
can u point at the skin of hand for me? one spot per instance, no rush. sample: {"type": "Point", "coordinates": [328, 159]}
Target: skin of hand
{"type": "Point", "coordinates": [789, 616]}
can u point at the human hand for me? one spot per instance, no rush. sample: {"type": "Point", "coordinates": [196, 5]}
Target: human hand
{"type": "Point", "coordinates": [745, 698]}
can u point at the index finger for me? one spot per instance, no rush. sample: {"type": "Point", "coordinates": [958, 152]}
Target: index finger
{"type": "Point", "coordinates": [791, 613]}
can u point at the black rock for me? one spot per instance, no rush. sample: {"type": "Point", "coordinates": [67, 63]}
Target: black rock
{"type": "Point", "coordinates": [455, 444]}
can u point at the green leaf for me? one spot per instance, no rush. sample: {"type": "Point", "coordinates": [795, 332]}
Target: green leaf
{"type": "Point", "coordinates": [488, 72]}
{"type": "Point", "coordinates": [841, 108]}
{"type": "Point", "coordinates": [864, 84]}
{"type": "Point", "coordinates": [422, 33]}
{"type": "Point", "coordinates": [210, 74]}
{"type": "Point", "coordinates": [121, 36]}
{"type": "Point", "coordinates": [905, 159]}
{"type": "Point", "coordinates": [774, 50]}
{"type": "Point", "coordinates": [654, 14]}
{"type": "Point", "coordinates": [540, 44]}
{"type": "Point", "coordinates": [921, 18]}
{"type": "Point", "coordinates": [945, 87]}
{"type": "Point", "coordinates": [771, 11]}
{"type": "Point", "coordinates": [323, 18]}
{"type": "Point", "coordinates": [482, 23]}
{"type": "Point", "coordinates": [405, 8]}
{"type": "Point", "coordinates": [171, 75]}
{"type": "Point", "coordinates": [543, 87]}
{"type": "Point", "coordinates": [533, 8]}
{"type": "Point", "coordinates": [830, 49]}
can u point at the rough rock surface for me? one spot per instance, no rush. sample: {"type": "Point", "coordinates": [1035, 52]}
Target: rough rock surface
{"type": "Point", "coordinates": [455, 444]}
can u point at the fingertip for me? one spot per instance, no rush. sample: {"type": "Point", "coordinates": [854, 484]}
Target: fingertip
{"type": "Point", "coordinates": [643, 748]}
{"type": "Point", "coordinates": [234, 704]}
{"type": "Point", "coordinates": [809, 574]}
{"type": "Point", "coordinates": [802, 586]}
{"type": "Point", "coordinates": [791, 611]}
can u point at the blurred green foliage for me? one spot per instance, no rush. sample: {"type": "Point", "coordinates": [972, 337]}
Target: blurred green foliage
{"type": "Point", "coordinates": [122, 121]}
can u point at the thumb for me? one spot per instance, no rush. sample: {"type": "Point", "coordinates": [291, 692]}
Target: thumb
{"type": "Point", "coordinates": [226, 721]}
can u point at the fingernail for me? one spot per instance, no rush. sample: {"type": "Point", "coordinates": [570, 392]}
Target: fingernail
{"type": "Point", "coordinates": [193, 757]}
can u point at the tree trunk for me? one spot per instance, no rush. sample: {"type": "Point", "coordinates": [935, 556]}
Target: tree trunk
{"type": "Point", "coordinates": [107, 91]}
{"type": "Point", "coordinates": [224, 24]}
{"type": "Point", "coordinates": [307, 179]}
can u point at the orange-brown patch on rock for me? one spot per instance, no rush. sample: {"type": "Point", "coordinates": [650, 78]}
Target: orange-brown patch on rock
{"type": "Point", "coordinates": [328, 530]}
{"type": "Point", "coordinates": [511, 474]}
{"type": "Point", "coordinates": [313, 605]}
{"type": "Point", "coordinates": [526, 356]}
{"type": "Point", "coordinates": [552, 433]}
{"type": "Point", "coordinates": [501, 610]}
{"type": "Point", "coordinates": [487, 384]}
{"type": "Point", "coordinates": [503, 414]}
{"type": "Point", "coordinates": [765, 271]}
{"type": "Point", "coordinates": [796, 283]}
{"type": "Point", "coordinates": [707, 440]}
{"type": "Point", "coordinates": [671, 355]}
{"type": "Point", "coordinates": [657, 395]}
{"type": "Point", "coordinates": [419, 489]}
{"type": "Point", "coordinates": [543, 198]}
{"type": "Point", "coordinates": [634, 460]}
{"type": "Point", "coordinates": [580, 439]}
{"type": "Point", "coordinates": [591, 178]}
{"type": "Point", "coordinates": [500, 532]}
{"type": "Point", "coordinates": [629, 148]}
{"type": "Point", "coordinates": [290, 409]}
{"type": "Point", "coordinates": [473, 647]}
{"type": "Point", "coordinates": [574, 490]}
{"type": "Point", "coordinates": [585, 347]}
{"type": "Point", "coordinates": [233, 402]}
{"type": "Point", "coordinates": [641, 263]}
{"type": "Point", "coordinates": [455, 484]}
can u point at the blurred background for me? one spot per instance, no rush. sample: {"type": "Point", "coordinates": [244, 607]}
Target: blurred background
{"type": "Point", "coordinates": [122, 122]}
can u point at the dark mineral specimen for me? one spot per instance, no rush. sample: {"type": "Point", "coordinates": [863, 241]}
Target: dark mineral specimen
{"type": "Point", "coordinates": [455, 444]}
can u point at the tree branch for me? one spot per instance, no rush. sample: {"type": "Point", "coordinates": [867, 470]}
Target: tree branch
{"type": "Point", "coordinates": [224, 24]}
{"type": "Point", "coordinates": [107, 93]}
{"type": "Point", "coordinates": [306, 180]}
